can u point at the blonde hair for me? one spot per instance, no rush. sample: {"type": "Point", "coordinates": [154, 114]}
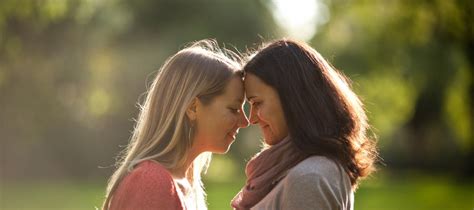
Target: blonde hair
{"type": "Point", "coordinates": [162, 130]}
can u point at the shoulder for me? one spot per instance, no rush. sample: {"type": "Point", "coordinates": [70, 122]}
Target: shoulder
{"type": "Point", "coordinates": [316, 166]}
{"type": "Point", "coordinates": [317, 182]}
{"type": "Point", "coordinates": [151, 172]}
{"type": "Point", "coordinates": [149, 184]}
{"type": "Point", "coordinates": [149, 176]}
{"type": "Point", "coordinates": [318, 170]}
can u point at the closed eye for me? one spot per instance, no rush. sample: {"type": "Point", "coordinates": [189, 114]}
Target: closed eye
{"type": "Point", "coordinates": [256, 104]}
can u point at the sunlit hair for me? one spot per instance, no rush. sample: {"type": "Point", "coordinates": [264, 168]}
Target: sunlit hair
{"type": "Point", "coordinates": [162, 130]}
{"type": "Point", "coordinates": [324, 116]}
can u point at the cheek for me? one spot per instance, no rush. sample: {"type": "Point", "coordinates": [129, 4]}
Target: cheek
{"type": "Point", "coordinates": [223, 123]}
{"type": "Point", "coordinates": [272, 118]}
{"type": "Point", "coordinates": [264, 115]}
{"type": "Point", "coordinates": [229, 121]}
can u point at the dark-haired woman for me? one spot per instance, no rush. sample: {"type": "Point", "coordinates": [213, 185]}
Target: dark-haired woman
{"type": "Point", "coordinates": [315, 128]}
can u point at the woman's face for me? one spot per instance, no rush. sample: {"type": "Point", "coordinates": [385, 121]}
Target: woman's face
{"type": "Point", "coordinates": [266, 110]}
{"type": "Point", "coordinates": [218, 122]}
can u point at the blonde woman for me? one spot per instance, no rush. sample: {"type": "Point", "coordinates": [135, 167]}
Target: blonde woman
{"type": "Point", "coordinates": [192, 109]}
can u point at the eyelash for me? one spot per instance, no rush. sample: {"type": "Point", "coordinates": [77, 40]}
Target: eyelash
{"type": "Point", "coordinates": [235, 111]}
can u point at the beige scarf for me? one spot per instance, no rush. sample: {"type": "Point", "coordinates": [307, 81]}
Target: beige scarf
{"type": "Point", "coordinates": [265, 170]}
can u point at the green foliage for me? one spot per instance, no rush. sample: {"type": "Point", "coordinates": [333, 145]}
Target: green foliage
{"type": "Point", "coordinates": [403, 56]}
{"type": "Point", "coordinates": [71, 72]}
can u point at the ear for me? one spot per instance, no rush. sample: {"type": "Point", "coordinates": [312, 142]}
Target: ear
{"type": "Point", "coordinates": [191, 111]}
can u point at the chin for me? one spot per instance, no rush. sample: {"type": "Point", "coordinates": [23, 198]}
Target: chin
{"type": "Point", "coordinates": [271, 141]}
{"type": "Point", "coordinates": [268, 140]}
{"type": "Point", "coordinates": [222, 150]}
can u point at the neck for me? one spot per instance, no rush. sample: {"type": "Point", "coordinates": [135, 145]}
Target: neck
{"type": "Point", "coordinates": [183, 171]}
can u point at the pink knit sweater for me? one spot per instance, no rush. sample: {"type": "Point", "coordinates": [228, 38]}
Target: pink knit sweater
{"type": "Point", "coordinates": [148, 186]}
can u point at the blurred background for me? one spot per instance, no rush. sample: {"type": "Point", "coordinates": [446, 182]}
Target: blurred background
{"type": "Point", "coordinates": [72, 72]}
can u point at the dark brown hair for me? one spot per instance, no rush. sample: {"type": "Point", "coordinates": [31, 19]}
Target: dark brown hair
{"type": "Point", "coordinates": [324, 116]}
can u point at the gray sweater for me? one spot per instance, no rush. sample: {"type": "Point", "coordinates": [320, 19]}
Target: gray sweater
{"type": "Point", "coordinates": [315, 183]}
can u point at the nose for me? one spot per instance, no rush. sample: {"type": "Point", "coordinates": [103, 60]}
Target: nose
{"type": "Point", "coordinates": [253, 116]}
{"type": "Point", "coordinates": [243, 122]}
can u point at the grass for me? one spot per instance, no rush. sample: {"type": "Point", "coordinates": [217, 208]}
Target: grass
{"type": "Point", "coordinates": [52, 195]}
{"type": "Point", "coordinates": [219, 195]}
{"type": "Point", "coordinates": [413, 191]}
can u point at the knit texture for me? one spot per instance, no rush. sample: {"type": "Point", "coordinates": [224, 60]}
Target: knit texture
{"type": "Point", "coordinates": [148, 186]}
{"type": "Point", "coordinates": [315, 183]}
